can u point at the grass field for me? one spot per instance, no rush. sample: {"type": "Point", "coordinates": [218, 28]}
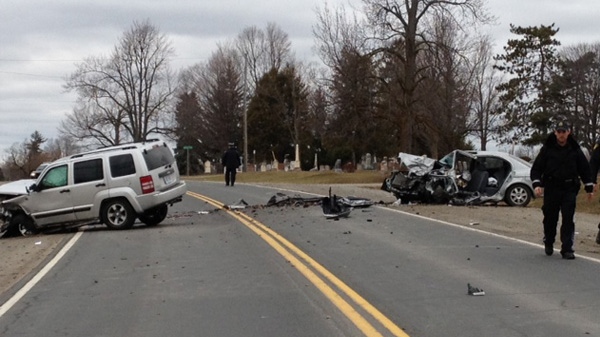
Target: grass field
{"type": "Point", "coordinates": [300, 177]}
{"type": "Point", "coordinates": [358, 177]}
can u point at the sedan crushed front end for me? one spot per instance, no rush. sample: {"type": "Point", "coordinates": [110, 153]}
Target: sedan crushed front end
{"type": "Point", "coordinates": [462, 178]}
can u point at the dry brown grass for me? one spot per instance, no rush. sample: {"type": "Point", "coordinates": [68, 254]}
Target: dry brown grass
{"type": "Point", "coordinates": [583, 205]}
{"type": "Point", "coordinates": [300, 177]}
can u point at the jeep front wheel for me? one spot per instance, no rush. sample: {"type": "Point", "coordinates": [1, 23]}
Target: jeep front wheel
{"type": "Point", "coordinates": [154, 216]}
{"type": "Point", "coordinates": [23, 225]}
{"type": "Point", "coordinates": [118, 214]}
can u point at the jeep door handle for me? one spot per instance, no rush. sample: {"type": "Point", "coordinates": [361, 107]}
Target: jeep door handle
{"type": "Point", "coordinates": [65, 191]}
{"type": "Point", "coordinates": [101, 185]}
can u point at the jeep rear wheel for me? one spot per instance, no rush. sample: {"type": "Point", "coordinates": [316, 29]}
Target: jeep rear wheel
{"type": "Point", "coordinates": [118, 214]}
{"type": "Point", "coordinates": [154, 216]}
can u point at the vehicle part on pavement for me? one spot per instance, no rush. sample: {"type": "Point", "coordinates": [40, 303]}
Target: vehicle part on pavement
{"type": "Point", "coordinates": [474, 291]}
{"type": "Point", "coordinates": [356, 202]}
{"type": "Point", "coordinates": [333, 208]}
{"type": "Point", "coordinates": [241, 204]}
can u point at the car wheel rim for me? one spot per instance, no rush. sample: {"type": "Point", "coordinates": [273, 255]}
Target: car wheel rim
{"type": "Point", "coordinates": [23, 230]}
{"type": "Point", "coordinates": [518, 196]}
{"type": "Point", "coordinates": [117, 214]}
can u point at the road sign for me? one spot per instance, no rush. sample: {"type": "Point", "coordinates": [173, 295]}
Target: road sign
{"type": "Point", "coordinates": [188, 147]}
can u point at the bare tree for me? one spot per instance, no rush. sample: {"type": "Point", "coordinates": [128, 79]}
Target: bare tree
{"type": "Point", "coordinates": [580, 85]}
{"type": "Point", "coordinates": [95, 124]}
{"type": "Point", "coordinates": [261, 51]}
{"type": "Point", "coordinates": [219, 88]}
{"type": "Point", "coordinates": [336, 32]}
{"type": "Point", "coordinates": [483, 120]}
{"type": "Point", "coordinates": [60, 147]}
{"type": "Point", "coordinates": [129, 93]}
{"type": "Point", "coordinates": [401, 27]}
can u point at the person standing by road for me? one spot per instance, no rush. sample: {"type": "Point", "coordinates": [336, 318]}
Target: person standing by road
{"type": "Point", "coordinates": [231, 162]}
{"type": "Point", "coordinates": [555, 175]}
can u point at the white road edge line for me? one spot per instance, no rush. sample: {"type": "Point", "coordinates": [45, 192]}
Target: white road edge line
{"type": "Point", "coordinates": [29, 285]}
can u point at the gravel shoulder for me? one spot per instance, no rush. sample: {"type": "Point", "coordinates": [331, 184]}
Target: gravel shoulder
{"type": "Point", "coordinates": [22, 256]}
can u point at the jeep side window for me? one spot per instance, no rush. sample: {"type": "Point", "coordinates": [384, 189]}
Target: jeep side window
{"type": "Point", "coordinates": [55, 177]}
{"type": "Point", "coordinates": [121, 165]}
{"type": "Point", "coordinates": [89, 170]}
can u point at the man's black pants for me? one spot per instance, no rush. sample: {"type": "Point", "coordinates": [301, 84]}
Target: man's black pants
{"type": "Point", "coordinates": [230, 176]}
{"type": "Point", "coordinates": [560, 199]}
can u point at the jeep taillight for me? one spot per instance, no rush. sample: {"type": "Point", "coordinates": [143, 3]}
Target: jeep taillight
{"type": "Point", "coordinates": [147, 184]}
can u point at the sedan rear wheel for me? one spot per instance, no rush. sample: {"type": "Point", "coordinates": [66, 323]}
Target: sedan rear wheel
{"type": "Point", "coordinates": [517, 195]}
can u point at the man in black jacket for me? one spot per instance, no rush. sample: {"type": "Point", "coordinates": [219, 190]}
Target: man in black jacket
{"type": "Point", "coordinates": [555, 174]}
{"type": "Point", "coordinates": [231, 161]}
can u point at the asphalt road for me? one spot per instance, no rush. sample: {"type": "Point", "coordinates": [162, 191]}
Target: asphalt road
{"type": "Point", "coordinates": [289, 271]}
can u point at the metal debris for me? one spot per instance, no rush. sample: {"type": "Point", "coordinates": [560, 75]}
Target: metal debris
{"type": "Point", "coordinates": [334, 208]}
{"type": "Point", "coordinates": [239, 205]}
{"type": "Point", "coordinates": [474, 291]}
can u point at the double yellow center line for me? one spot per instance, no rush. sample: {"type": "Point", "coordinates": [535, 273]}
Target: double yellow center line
{"type": "Point", "coordinates": [316, 274]}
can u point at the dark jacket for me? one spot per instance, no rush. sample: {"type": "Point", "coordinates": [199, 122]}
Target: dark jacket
{"type": "Point", "coordinates": [595, 161]}
{"type": "Point", "coordinates": [231, 159]}
{"type": "Point", "coordinates": [561, 165]}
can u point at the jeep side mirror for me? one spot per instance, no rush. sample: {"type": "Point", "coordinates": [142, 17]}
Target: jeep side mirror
{"type": "Point", "coordinates": [33, 188]}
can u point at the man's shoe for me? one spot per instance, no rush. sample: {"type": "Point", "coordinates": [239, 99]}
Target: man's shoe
{"type": "Point", "coordinates": [568, 255]}
{"type": "Point", "coordinates": [549, 249]}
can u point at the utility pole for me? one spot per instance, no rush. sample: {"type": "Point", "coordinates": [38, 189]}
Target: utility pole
{"type": "Point", "coordinates": [245, 118]}
{"type": "Point", "coordinates": [187, 149]}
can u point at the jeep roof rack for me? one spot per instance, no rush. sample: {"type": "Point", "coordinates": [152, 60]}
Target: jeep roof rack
{"type": "Point", "coordinates": [124, 146]}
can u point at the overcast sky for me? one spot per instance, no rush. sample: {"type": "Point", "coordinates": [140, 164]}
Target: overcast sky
{"type": "Point", "coordinates": [42, 40]}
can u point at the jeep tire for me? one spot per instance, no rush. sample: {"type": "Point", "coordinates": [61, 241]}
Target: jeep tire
{"type": "Point", "coordinates": [154, 216]}
{"type": "Point", "coordinates": [118, 214]}
{"type": "Point", "coordinates": [22, 224]}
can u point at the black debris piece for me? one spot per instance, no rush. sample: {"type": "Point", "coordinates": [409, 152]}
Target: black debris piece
{"type": "Point", "coordinates": [474, 291]}
{"type": "Point", "coordinates": [333, 208]}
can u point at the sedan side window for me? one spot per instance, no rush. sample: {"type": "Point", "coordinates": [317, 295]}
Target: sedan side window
{"type": "Point", "coordinates": [55, 177]}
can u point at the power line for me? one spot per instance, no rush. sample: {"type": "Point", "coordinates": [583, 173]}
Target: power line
{"type": "Point", "coordinates": [27, 74]}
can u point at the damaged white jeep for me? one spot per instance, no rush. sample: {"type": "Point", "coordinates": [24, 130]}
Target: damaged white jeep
{"type": "Point", "coordinates": [114, 185]}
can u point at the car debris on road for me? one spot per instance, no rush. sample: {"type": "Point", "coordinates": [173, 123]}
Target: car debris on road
{"type": "Point", "coordinates": [474, 291]}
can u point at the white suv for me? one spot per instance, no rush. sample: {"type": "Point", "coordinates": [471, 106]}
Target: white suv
{"type": "Point", "coordinates": [113, 185]}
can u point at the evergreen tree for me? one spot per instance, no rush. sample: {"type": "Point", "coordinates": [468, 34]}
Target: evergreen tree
{"type": "Point", "coordinates": [530, 62]}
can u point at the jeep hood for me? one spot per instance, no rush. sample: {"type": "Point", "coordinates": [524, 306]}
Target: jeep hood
{"type": "Point", "coordinates": [15, 188]}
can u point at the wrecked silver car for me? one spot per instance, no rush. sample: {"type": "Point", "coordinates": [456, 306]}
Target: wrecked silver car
{"type": "Point", "coordinates": [462, 178]}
